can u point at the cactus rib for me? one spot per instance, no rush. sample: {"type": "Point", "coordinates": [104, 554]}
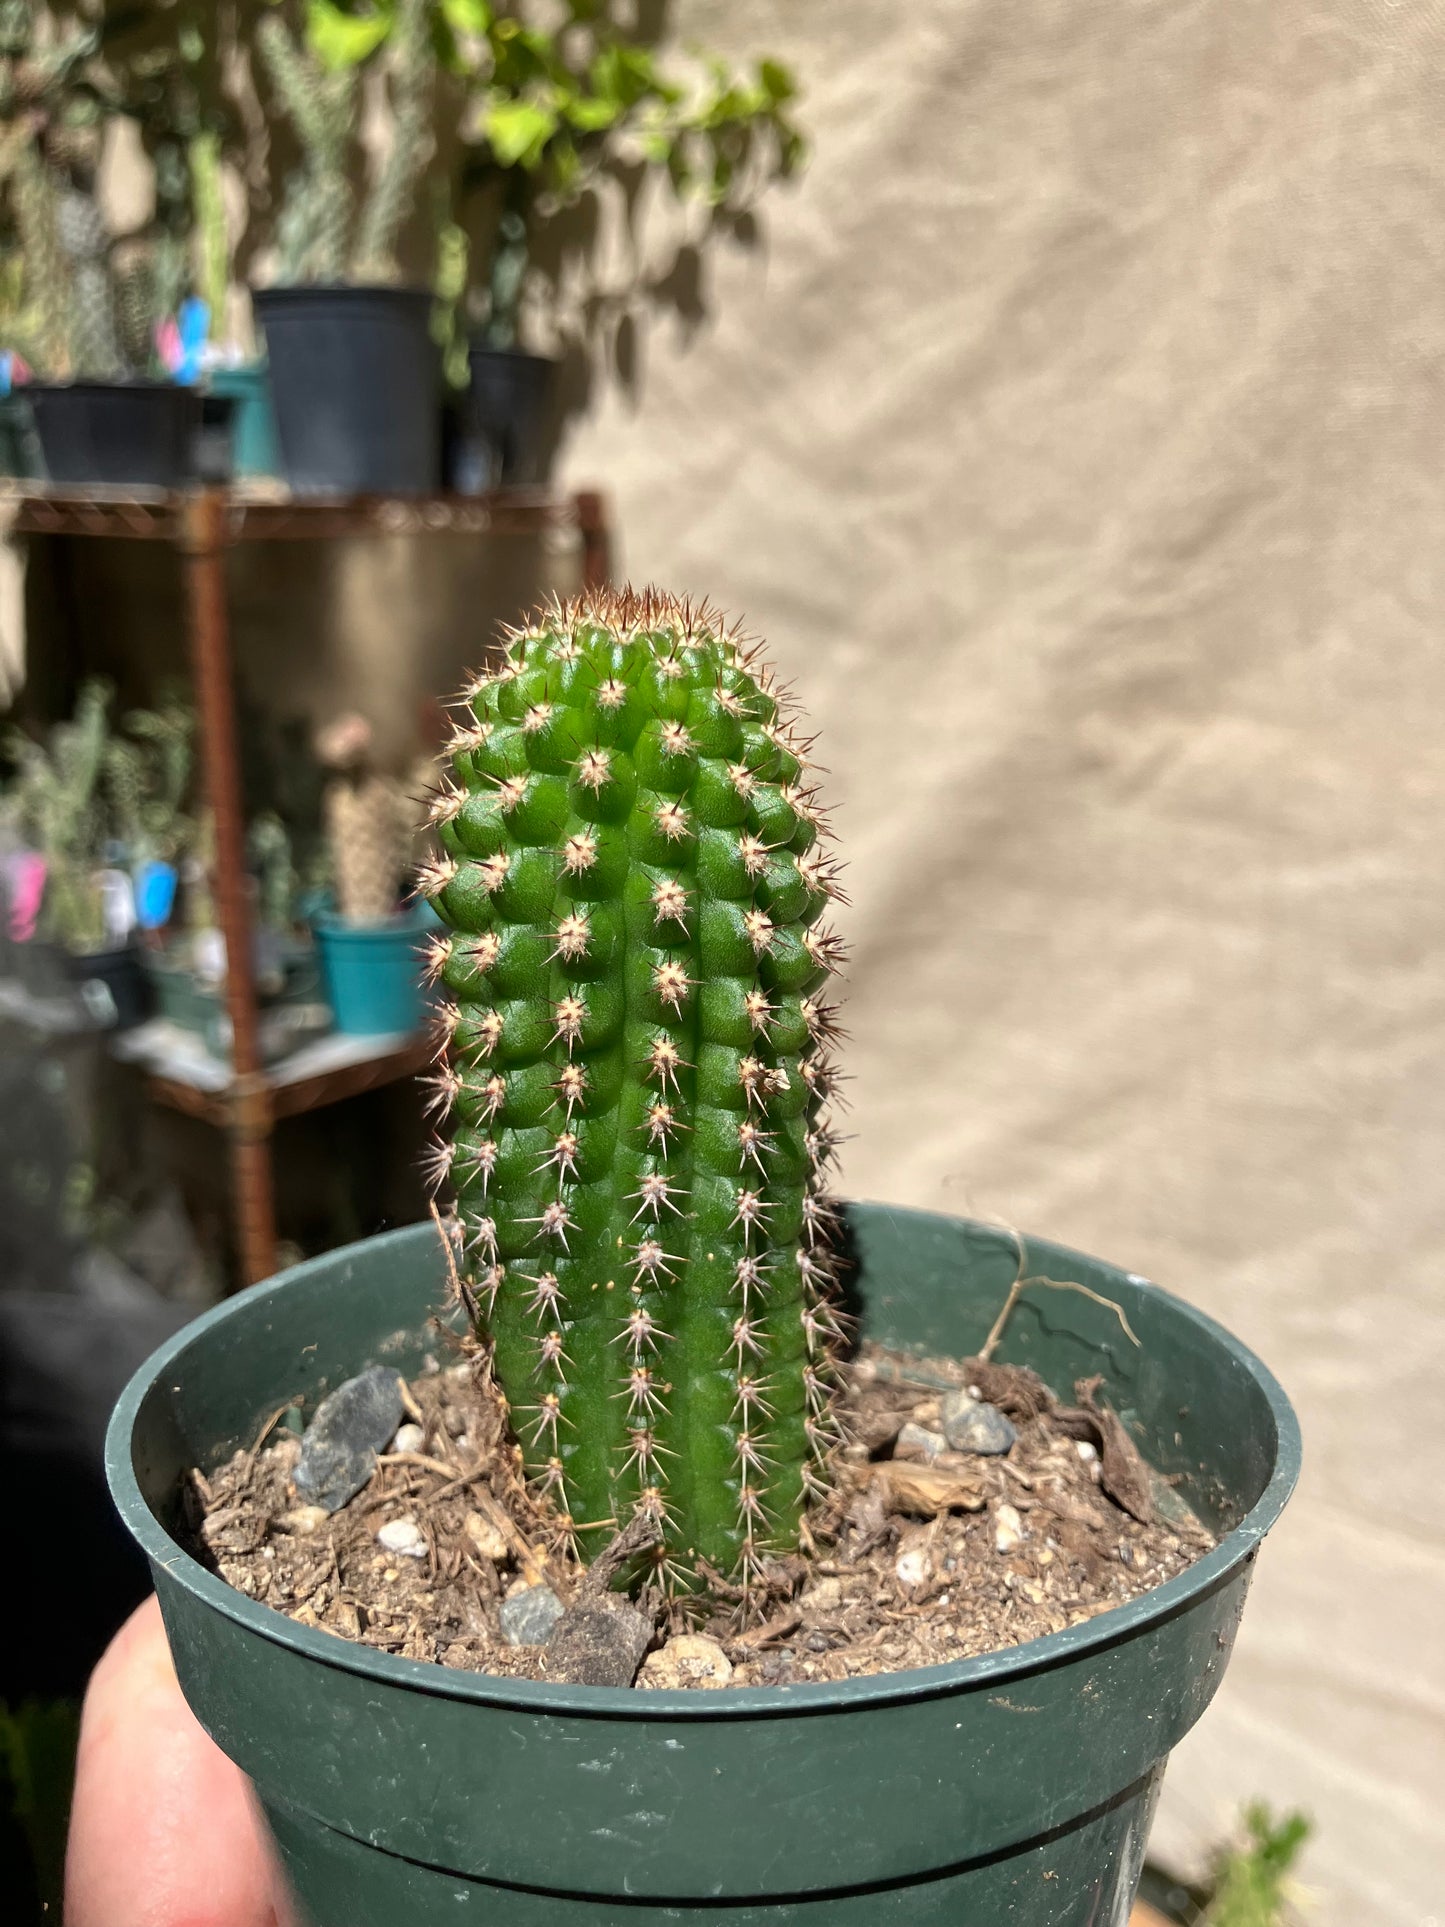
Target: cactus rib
{"type": "Point", "coordinates": [631, 865]}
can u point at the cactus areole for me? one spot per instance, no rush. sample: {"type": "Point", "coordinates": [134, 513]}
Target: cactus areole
{"type": "Point", "coordinates": [633, 871]}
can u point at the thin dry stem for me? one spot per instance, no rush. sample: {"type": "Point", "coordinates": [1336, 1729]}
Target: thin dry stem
{"type": "Point", "coordinates": [1021, 1284]}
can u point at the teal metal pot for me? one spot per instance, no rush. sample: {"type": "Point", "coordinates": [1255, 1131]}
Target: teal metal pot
{"type": "Point", "coordinates": [1011, 1790]}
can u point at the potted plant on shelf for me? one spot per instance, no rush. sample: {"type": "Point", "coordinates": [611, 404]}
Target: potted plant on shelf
{"type": "Point", "coordinates": [354, 369]}
{"type": "Point", "coordinates": [172, 68]}
{"type": "Point", "coordinates": [369, 944]}
{"type": "Point", "coordinates": [87, 311]}
{"type": "Point", "coordinates": [646, 1285]}
{"type": "Point", "coordinates": [170, 849]}
{"type": "Point", "coordinates": [553, 112]}
{"type": "Point", "coordinates": [71, 903]}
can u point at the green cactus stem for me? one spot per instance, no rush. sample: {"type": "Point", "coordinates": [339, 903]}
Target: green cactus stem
{"type": "Point", "coordinates": [392, 192]}
{"type": "Point", "coordinates": [321, 106]}
{"type": "Point", "coordinates": [322, 101]}
{"type": "Point", "coordinates": [208, 212]}
{"type": "Point", "coordinates": [633, 871]}
{"type": "Point", "coordinates": [57, 803]}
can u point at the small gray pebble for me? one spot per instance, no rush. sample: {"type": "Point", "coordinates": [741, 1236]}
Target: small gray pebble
{"type": "Point", "coordinates": [920, 1439]}
{"type": "Point", "coordinates": [598, 1643]}
{"type": "Point", "coordinates": [351, 1425]}
{"type": "Point", "coordinates": [528, 1617]}
{"type": "Point", "coordinates": [971, 1426]}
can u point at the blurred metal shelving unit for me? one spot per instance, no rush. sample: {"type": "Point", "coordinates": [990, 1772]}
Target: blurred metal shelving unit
{"type": "Point", "coordinates": [202, 524]}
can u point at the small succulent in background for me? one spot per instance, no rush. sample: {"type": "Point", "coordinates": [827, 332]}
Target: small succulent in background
{"type": "Point", "coordinates": [90, 301]}
{"type": "Point", "coordinates": [269, 852]}
{"type": "Point", "coordinates": [57, 803]}
{"type": "Point", "coordinates": [91, 798]}
{"type": "Point", "coordinates": [149, 772]}
{"type": "Point", "coordinates": [1253, 1880]}
{"type": "Point", "coordinates": [53, 117]}
{"type": "Point", "coordinates": [634, 871]}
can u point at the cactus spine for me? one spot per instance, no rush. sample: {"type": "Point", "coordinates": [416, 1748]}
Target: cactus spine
{"type": "Point", "coordinates": [633, 875]}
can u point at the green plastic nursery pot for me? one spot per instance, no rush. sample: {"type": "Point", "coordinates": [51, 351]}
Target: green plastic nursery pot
{"type": "Point", "coordinates": [254, 448]}
{"type": "Point", "coordinates": [1010, 1790]}
{"type": "Point", "coordinates": [373, 972]}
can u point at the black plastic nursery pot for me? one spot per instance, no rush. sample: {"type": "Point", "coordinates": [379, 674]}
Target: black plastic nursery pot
{"type": "Point", "coordinates": [507, 408]}
{"type": "Point", "coordinates": [213, 456]}
{"type": "Point", "coordinates": [20, 458]}
{"type": "Point", "coordinates": [355, 379]}
{"type": "Point", "coordinates": [1010, 1790]}
{"type": "Point", "coordinates": [113, 987]}
{"type": "Point", "coordinates": [116, 434]}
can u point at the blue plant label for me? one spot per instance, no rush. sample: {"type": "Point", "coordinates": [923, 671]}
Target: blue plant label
{"type": "Point", "coordinates": [155, 894]}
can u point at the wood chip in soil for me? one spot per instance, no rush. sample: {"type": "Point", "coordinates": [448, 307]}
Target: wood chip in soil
{"type": "Point", "coordinates": [908, 1562]}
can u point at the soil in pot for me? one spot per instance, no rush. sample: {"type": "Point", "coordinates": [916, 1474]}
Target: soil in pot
{"type": "Point", "coordinates": [921, 1554]}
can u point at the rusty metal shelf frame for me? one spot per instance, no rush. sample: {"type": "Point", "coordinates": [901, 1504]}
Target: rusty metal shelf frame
{"type": "Point", "coordinates": [202, 525]}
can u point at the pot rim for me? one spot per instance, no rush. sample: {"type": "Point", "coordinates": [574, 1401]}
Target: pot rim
{"type": "Point", "coordinates": [1109, 1628]}
{"type": "Point", "coordinates": [405, 291]}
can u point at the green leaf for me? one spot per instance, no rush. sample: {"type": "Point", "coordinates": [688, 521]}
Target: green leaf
{"type": "Point", "coordinates": [590, 115]}
{"type": "Point", "coordinates": [778, 82]}
{"type": "Point", "coordinates": [467, 16]}
{"type": "Point", "coordinates": [518, 130]}
{"type": "Point", "coordinates": [627, 75]}
{"type": "Point", "coordinates": [566, 167]}
{"type": "Point", "coordinates": [340, 39]}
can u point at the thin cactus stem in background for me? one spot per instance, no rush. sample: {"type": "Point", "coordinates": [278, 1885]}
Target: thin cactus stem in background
{"type": "Point", "coordinates": [268, 847]}
{"type": "Point", "coordinates": [632, 868]}
{"type": "Point", "coordinates": [57, 804]}
{"type": "Point", "coordinates": [316, 225]}
{"type": "Point", "coordinates": [85, 243]}
{"type": "Point", "coordinates": [389, 201]}
{"type": "Point", "coordinates": [321, 106]}
{"type": "Point", "coordinates": [46, 276]}
{"type": "Point", "coordinates": [208, 207]}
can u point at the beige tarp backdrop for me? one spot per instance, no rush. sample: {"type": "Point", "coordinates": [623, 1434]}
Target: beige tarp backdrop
{"type": "Point", "coordinates": [1076, 440]}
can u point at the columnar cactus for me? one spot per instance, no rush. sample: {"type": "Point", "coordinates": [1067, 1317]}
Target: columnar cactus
{"type": "Point", "coordinates": [369, 824]}
{"type": "Point", "coordinates": [632, 868]}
